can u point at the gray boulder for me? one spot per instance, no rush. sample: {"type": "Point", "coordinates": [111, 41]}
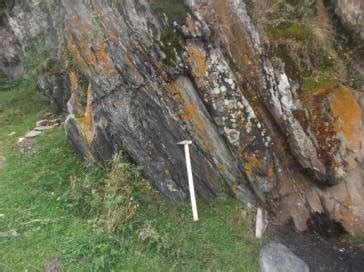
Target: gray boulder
{"type": "Point", "coordinates": [276, 257]}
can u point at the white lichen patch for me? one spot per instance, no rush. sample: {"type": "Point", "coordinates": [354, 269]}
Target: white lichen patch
{"type": "Point", "coordinates": [232, 135]}
{"type": "Point", "coordinates": [284, 89]}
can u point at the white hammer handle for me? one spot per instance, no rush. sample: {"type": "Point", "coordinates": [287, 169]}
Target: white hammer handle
{"type": "Point", "coordinates": [190, 183]}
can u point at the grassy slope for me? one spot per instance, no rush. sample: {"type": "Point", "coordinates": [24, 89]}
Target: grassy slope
{"type": "Point", "coordinates": [37, 222]}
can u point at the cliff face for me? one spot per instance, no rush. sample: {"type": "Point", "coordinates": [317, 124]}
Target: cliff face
{"type": "Point", "coordinates": [265, 99]}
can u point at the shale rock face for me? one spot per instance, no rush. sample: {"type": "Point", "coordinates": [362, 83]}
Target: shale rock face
{"type": "Point", "coordinates": [351, 13]}
{"type": "Point", "coordinates": [25, 26]}
{"type": "Point", "coordinates": [143, 75]}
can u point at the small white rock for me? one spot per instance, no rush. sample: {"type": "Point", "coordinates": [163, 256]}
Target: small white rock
{"type": "Point", "coordinates": [32, 134]}
{"type": "Point", "coordinates": [43, 128]}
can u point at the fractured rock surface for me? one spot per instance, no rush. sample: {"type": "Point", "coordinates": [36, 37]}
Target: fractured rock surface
{"type": "Point", "coordinates": [131, 78]}
{"type": "Point", "coordinates": [276, 257]}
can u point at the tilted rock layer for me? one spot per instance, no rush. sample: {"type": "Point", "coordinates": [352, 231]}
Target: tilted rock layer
{"type": "Point", "coordinates": [141, 76]}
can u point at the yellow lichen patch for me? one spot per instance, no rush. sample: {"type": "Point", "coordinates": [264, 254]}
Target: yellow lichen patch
{"type": "Point", "coordinates": [197, 59]}
{"type": "Point", "coordinates": [73, 80]}
{"type": "Point", "coordinates": [221, 167]}
{"type": "Point", "coordinates": [346, 112]}
{"type": "Point", "coordinates": [251, 163]}
{"type": "Point", "coordinates": [87, 120]}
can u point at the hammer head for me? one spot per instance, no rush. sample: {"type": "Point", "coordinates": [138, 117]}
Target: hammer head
{"type": "Point", "coordinates": [185, 142]}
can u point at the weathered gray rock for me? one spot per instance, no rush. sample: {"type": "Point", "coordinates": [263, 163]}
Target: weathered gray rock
{"type": "Point", "coordinates": [41, 123]}
{"type": "Point", "coordinates": [26, 27]}
{"type": "Point", "coordinates": [46, 124]}
{"type": "Point", "coordinates": [129, 78]}
{"type": "Point", "coordinates": [32, 133]}
{"type": "Point", "coordinates": [43, 128]}
{"type": "Point", "coordinates": [276, 257]}
{"type": "Point", "coordinates": [10, 63]}
{"type": "Point", "coordinates": [351, 13]}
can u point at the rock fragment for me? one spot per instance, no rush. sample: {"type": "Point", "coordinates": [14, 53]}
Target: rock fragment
{"type": "Point", "coordinates": [276, 257]}
{"type": "Point", "coordinates": [32, 134]}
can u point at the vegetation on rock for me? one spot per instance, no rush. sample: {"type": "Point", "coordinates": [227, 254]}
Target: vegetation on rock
{"type": "Point", "coordinates": [51, 205]}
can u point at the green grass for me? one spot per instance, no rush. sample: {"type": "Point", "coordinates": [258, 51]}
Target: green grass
{"type": "Point", "coordinates": [175, 10]}
{"type": "Point", "coordinates": [42, 215]}
{"type": "Point", "coordinates": [288, 30]}
{"type": "Point", "coordinates": [319, 82]}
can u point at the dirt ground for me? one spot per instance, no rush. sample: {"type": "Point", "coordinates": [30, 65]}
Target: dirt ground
{"type": "Point", "coordinates": [322, 254]}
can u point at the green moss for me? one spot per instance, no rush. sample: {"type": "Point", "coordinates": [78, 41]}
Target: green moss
{"type": "Point", "coordinates": [171, 44]}
{"type": "Point", "coordinates": [175, 10]}
{"type": "Point", "coordinates": [284, 31]}
{"type": "Point", "coordinates": [314, 83]}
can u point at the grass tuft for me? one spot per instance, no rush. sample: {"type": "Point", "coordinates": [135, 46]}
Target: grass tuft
{"type": "Point", "coordinates": [288, 30]}
{"type": "Point", "coordinates": [319, 82]}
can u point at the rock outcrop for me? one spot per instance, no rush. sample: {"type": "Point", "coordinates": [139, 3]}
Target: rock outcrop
{"type": "Point", "coordinates": [351, 13]}
{"type": "Point", "coordinates": [26, 27]}
{"type": "Point", "coordinates": [276, 257]}
{"type": "Point", "coordinates": [143, 75]}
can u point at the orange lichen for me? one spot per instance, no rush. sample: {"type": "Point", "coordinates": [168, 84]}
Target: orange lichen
{"type": "Point", "coordinates": [86, 121]}
{"type": "Point", "coordinates": [73, 80]}
{"type": "Point", "coordinates": [189, 112]}
{"type": "Point", "coordinates": [102, 55]}
{"type": "Point", "coordinates": [250, 164]}
{"type": "Point", "coordinates": [197, 59]}
{"type": "Point", "coordinates": [346, 112]}
{"type": "Point", "coordinates": [322, 125]}
{"type": "Point", "coordinates": [334, 111]}
{"type": "Point", "coordinates": [88, 50]}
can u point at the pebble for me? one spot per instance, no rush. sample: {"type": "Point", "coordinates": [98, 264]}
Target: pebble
{"type": "Point", "coordinates": [43, 128]}
{"type": "Point", "coordinates": [32, 134]}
